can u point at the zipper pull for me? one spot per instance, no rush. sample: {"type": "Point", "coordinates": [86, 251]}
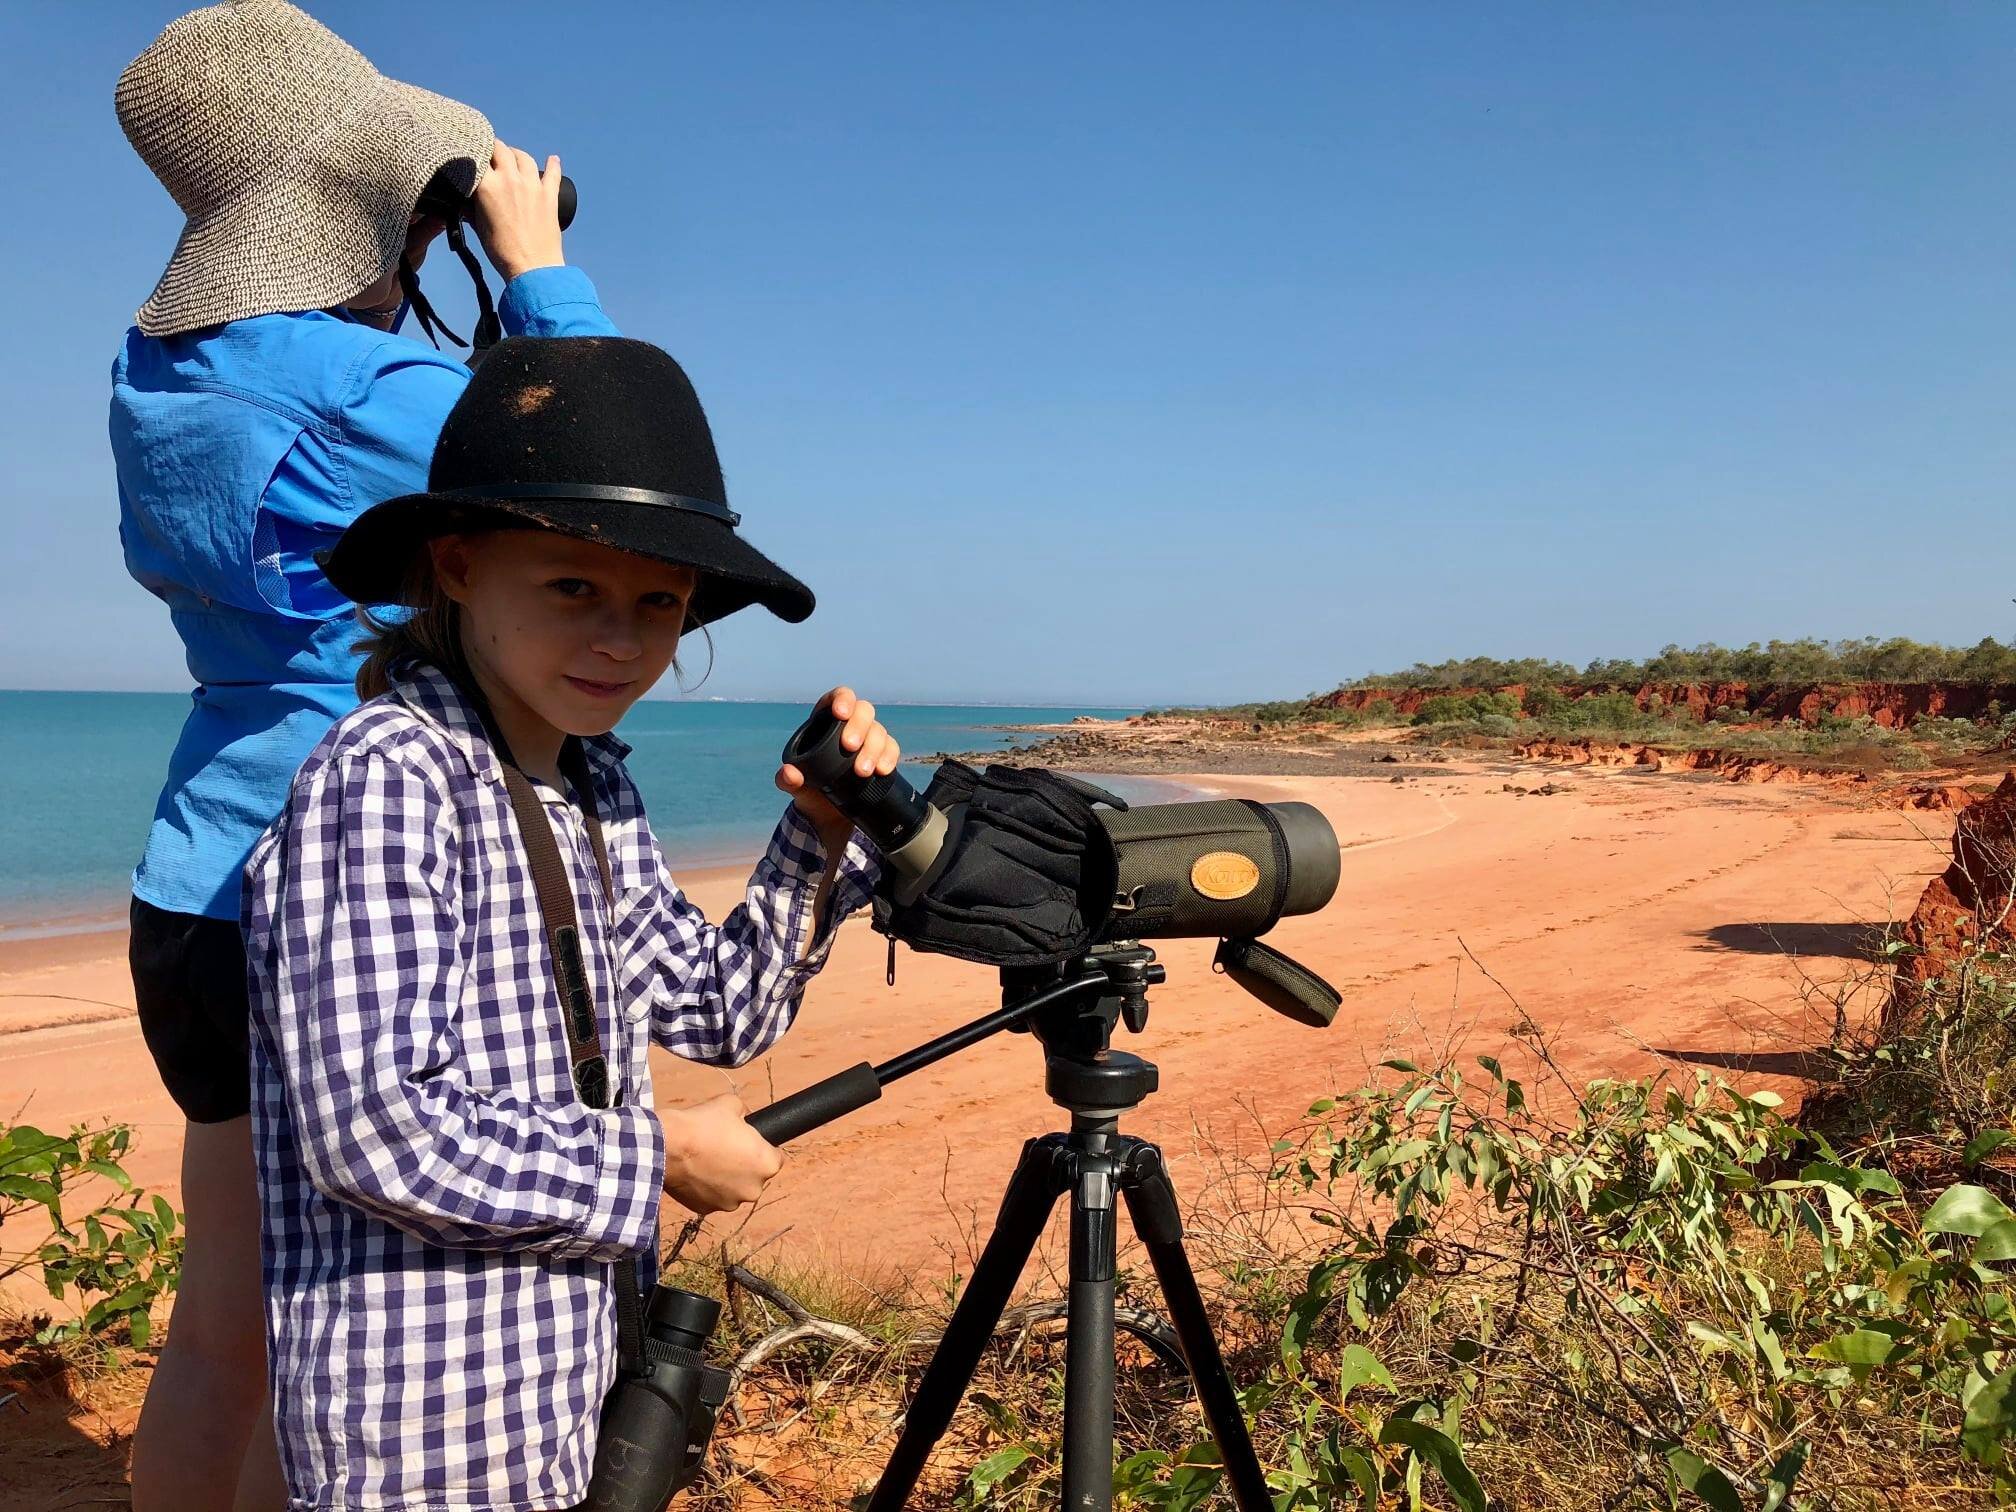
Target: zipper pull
{"type": "Point", "coordinates": [892, 961]}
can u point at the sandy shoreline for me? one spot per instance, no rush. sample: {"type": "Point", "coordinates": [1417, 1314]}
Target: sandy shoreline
{"type": "Point", "coordinates": [1634, 916]}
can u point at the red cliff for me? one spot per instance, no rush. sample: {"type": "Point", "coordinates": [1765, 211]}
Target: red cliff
{"type": "Point", "coordinates": [1892, 705]}
{"type": "Point", "coordinates": [1966, 907]}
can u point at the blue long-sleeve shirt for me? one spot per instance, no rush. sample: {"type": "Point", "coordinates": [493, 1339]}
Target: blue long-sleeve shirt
{"type": "Point", "coordinates": [242, 450]}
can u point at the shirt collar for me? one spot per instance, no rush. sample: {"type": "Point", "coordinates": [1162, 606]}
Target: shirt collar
{"type": "Point", "coordinates": [434, 696]}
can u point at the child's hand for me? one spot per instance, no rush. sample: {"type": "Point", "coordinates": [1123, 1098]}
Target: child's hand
{"type": "Point", "coordinates": [875, 751]}
{"type": "Point", "coordinates": [713, 1159]}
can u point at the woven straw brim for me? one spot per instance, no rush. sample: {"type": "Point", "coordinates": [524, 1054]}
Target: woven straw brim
{"type": "Point", "coordinates": [324, 225]}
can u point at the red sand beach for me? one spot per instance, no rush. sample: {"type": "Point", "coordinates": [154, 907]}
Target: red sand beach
{"type": "Point", "coordinates": [1630, 913]}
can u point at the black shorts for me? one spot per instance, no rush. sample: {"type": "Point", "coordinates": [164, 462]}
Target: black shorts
{"type": "Point", "coordinates": [189, 980]}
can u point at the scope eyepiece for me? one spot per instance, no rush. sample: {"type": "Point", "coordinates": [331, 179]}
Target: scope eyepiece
{"type": "Point", "coordinates": [907, 830]}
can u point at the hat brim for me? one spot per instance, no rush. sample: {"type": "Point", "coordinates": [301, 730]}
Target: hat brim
{"type": "Point", "coordinates": [322, 228]}
{"type": "Point", "coordinates": [371, 562]}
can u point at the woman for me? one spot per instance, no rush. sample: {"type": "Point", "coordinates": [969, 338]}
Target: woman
{"type": "Point", "coordinates": [261, 401]}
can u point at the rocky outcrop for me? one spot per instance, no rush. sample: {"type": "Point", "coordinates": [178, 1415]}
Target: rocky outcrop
{"type": "Point", "coordinates": [1966, 907]}
{"type": "Point", "coordinates": [1597, 753]}
{"type": "Point", "coordinates": [1736, 766]}
{"type": "Point", "coordinates": [1891, 705]}
{"type": "Point", "coordinates": [1937, 797]}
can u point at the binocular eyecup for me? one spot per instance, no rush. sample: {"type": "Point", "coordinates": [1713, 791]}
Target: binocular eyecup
{"type": "Point", "coordinates": [656, 1425]}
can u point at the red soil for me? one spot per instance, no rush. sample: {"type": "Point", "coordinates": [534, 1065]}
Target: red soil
{"type": "Point", "coordinates": [1966, 906]}
{"type": "Point", "coordinates": [1736, 766]}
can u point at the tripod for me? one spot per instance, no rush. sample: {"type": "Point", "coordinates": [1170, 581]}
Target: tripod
{"type": "Point", "coordinates": [1072, 1011]}
{"type": "Point", "coordinates": [1094, 1162]}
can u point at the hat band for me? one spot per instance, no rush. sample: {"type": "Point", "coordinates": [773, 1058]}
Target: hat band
{"type": "Point", "coordinates": [599, 491]}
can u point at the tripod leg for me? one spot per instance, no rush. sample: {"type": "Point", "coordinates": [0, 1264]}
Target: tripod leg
{"type": "Point", "coordinates": [1151, 1203]}
{"type": "Point", "coordinates": [1088, 1358]}
{"type": "Point", "coordinates": [1032, 1191]}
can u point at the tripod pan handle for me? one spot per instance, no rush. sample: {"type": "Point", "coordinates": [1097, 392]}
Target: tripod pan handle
{"type": "Point", "coordinates": [820, 1103]}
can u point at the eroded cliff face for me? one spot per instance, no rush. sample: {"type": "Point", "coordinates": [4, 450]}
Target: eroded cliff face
{"type": "Point", "coordinates": [1736, 766]}
{"type": "Point", "coordinates": [1966, 907]}
{"type": "Point", "coordinates": [1892, 705]}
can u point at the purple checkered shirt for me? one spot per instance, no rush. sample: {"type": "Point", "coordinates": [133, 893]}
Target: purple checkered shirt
{"type": "Point", "coordinates": [442, 1214]}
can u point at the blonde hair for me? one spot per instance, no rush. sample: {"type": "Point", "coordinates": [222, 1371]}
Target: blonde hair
{"type": "Point", "coordinates": [433, 634]}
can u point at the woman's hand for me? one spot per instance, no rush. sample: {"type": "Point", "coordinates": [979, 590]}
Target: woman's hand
{"type": "Point", "coordinates": [517, 213]}
{"type": "Point", "coordinates": [713, 1159]}
{"type": "Point", "coordinates": [875, 751]}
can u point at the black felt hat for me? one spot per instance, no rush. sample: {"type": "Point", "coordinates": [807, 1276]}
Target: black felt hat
{"type": "Point", "coordinates": [592, 436]}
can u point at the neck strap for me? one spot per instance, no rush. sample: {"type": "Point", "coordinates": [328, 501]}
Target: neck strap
{"type": "Point", "coordinates": [489, 329]}
{"type": "Point", "coordinates": [550, 883]}
{"type": "Point", "coordinates": [563, 938]}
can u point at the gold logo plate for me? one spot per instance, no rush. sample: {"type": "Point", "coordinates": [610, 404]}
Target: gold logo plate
{"type": "Point", "coordinates": [1224, 875]}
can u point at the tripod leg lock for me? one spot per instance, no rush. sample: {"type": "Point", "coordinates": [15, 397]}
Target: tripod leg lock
{"type": "Point", "coordinates": [1094, 1219]}
{"type": "Point", "coordinates": [1151, 1199]}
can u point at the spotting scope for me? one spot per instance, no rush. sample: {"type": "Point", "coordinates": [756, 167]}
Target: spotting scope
{"type": "Point", "coordinates": [1226, 867]}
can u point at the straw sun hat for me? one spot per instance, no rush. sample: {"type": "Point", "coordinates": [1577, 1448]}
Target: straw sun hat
{"type": "Point", "coordinates": [296, 162]}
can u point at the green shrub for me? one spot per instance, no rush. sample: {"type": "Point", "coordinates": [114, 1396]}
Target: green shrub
{"type": "Point", "coordinates": [1543, 702]}
{"type": "Point", "coordinates": [1446, 708]}
{"type": "Point", "coordinates": [1954, 736]}
{"type": "Point", "coordinates": [1663, 1289]}
{"type": "Point", "coordinates": [126, 1251]}
{"type": "Point", "coordinates": [1378, 713]}
{"type": "Point", "coordinates": [1604, 711]}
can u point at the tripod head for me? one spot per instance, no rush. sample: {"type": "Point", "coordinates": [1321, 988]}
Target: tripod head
{"type": "Point", "coordinates": [1081, 1071]}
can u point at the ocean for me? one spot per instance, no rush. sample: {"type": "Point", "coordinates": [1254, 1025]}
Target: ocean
{"type": "Point", "coordinates": [80, 772]}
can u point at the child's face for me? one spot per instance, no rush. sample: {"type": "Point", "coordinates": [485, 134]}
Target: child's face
{"type": "Point", "coordinates": [574, 631]}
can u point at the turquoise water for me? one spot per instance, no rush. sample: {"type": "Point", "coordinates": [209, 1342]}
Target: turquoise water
{"type": "Point", "coordinates": [79, 774]}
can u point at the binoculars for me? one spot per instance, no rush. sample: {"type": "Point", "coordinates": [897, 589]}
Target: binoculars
{"type": "Point", "coordinates": [655, 1426]}
{"type": "Point", "coordinates": [439, 199]}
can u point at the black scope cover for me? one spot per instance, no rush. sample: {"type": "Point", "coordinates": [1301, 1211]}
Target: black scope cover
{"type": "Point", "coordinates": [1030, 875]}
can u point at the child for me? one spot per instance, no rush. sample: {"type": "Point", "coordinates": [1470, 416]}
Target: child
{"type": "Point", "coordinates": [446, 1210]}
{"type": "Point", "coordinates": [259, 402]}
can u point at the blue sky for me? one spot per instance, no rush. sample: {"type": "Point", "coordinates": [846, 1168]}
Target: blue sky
{"type": "Point", "coordinates": [1139, 353]}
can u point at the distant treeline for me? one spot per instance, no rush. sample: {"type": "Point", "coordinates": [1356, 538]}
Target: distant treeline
{"type": "Point", "coordinates": [1796, 661]}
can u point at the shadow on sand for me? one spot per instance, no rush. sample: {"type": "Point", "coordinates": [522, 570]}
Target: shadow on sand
{"type": "Point", "coordinates": [57, 1452]}
{"type": "Point", "coordinates": [1860, 942]}
{"type": "Point", "coordinates": [1808, 1065]}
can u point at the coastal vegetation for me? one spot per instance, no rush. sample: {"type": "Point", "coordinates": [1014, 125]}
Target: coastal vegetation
{"type": "Point", "coordinates": [1460, 1287]}
{"type": "Point", "coordinates": [1895, 703]}
{"type": "Point", "coordinates": [115, 1257]}
{"type": "Point", "coordinates": [1867, 659]}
